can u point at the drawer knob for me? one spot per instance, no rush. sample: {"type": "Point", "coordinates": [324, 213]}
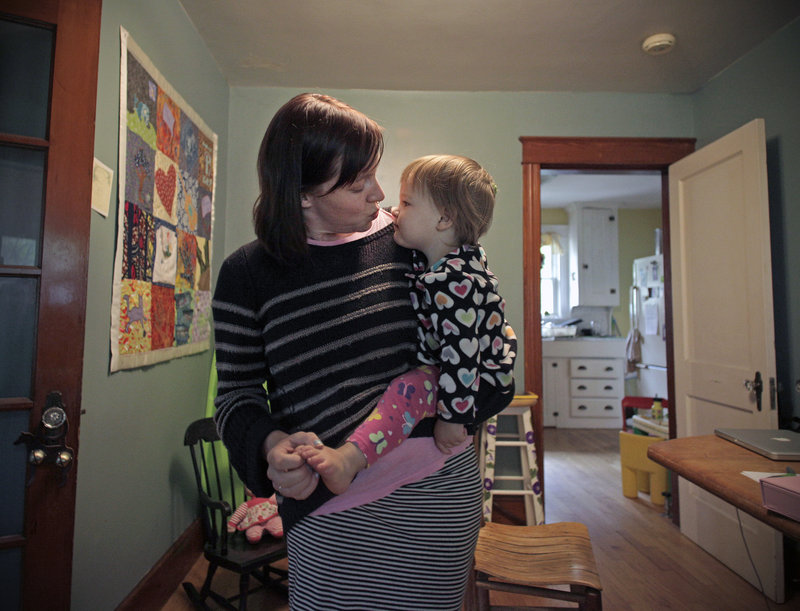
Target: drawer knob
{"type": "Point", "coordinates": [607, 387]}
{"type": "Point", "coordinates": [582, 367]}
{"type": "Point", "coordinates": [608, 408]}
{"type": "Point", "coordinates": [582, 407]}
{"type": "Point", "coordinates": [609, 368]}
{"type": "Point", "coordinates": [581, 387]}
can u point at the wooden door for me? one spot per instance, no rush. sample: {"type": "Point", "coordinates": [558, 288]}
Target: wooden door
{"type": "Point", "coordinates": [48, 70]}
{"type": "Point", "coordinates": [723, 329]}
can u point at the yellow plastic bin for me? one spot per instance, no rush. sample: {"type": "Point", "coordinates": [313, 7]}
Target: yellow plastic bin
{"type": "Point", "coordinates": [638, 471]}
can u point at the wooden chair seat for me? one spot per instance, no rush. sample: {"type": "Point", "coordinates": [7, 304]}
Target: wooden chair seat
{"type": "Point", "coordinates": [532, 560]}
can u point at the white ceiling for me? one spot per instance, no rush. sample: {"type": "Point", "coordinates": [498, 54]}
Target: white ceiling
{"type": "Point", "coordinates": [620, 189]}
{"type": "Point", "coordinates": [481, 45]}
{"type": "Point", "coordinates": [489, 45]}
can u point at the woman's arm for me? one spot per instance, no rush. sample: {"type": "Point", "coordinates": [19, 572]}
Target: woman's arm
{"type": "Point", "coordinates": [243, 415]}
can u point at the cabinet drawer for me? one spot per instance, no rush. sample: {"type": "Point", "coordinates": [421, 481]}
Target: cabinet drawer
{"type": "Point", "coordinates": [595, 368]}
{"type": "Point", "coordinates": [597, 387]}
{"type": "Point", "coordinates": [594, 408]}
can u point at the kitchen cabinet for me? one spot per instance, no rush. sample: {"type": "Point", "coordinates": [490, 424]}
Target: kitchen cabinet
{"type": "Point", "coordinates": [596, 390]}
{"type": "Point", "coordinates": [556, 388]}
{"type": "Point", "coordinates": [583, 382]}
{"type": "Point", "coordinates": [593, 256]}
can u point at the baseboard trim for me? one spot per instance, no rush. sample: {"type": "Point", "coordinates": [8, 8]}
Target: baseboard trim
{"type": "Point", "coordinates": [155, 588]}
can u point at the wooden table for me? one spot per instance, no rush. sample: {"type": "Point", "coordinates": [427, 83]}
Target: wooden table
{"type": "Point", "coordinates": [716, 465]}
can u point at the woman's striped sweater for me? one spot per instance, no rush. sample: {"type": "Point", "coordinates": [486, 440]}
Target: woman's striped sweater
{"type": "Point", "coordinates": [327, 337]}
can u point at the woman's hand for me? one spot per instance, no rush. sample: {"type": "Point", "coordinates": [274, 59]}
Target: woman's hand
{"type": "Point", "coordinates": [290, 475]}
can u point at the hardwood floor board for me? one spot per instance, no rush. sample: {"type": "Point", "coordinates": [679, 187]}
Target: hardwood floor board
{"type": "Point", "coordinates": [645, 563]}
{"type": "Point", "coordinates": [644, 560]}
{"type": "Point", "coordinates": [227, 583]}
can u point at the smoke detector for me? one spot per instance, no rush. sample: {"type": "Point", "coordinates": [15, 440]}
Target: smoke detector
{"type": "Point", "coordinates": [658, 44]}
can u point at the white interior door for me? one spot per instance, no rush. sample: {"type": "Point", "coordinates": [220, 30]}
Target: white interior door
{"type": "Point", "coordinates": [723, 330]}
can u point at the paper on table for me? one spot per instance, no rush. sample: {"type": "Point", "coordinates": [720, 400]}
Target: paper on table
{"type": "Point", "coordinates": [757, 475]}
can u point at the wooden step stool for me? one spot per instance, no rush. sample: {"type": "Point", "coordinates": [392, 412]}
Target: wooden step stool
{"type": "Point", "coordinates": [520, 408]}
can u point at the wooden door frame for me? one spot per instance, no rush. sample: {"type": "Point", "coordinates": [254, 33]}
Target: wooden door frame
{"type": "Point", "coordinates": [63, 276]}
{"type": "Point", "coordinates": [540, 153]}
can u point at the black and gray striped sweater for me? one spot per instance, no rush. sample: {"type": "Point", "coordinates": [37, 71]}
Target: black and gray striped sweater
{"type": "Point", "coordinates": [327, 337]}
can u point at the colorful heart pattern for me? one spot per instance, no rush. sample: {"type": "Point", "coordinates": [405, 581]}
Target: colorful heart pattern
{"type": "Point", "coordinates": [166, 183]}
{"type": "Point", "coordinates": [463, 328]}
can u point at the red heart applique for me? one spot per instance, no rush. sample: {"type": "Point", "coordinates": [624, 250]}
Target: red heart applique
{"type": "Point", "coordinates": [165, 185]}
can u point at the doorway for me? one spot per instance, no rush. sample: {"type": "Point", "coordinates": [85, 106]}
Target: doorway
{"type": "Point", "coordinates": [613, 154]}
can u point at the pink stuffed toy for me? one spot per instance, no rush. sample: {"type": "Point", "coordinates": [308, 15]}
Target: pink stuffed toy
{"type": "Point", "coordinates": [255, 516]}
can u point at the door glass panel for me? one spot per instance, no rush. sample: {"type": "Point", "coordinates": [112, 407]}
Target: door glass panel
{"type": "Point", "coordinates": [18, 311]}
{"type": "Point", "coordinates": [22, 173]}
{"type": "Point", "coordinates": [12, 476]}
{"type": "Point", "coordinates": [25, 57]}
{"type": "Point", "coordinates": [10, 577]}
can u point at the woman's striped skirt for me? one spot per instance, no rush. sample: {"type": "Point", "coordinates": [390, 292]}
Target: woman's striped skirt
{"type": "Point", "coordinates": [410, 550]}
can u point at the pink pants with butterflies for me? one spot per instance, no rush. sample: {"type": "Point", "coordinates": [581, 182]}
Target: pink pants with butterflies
{"type": "Point", "coordinates": [409, 398]}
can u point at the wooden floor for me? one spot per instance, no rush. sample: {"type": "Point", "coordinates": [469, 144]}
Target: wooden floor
{"type": "Point", "coordinates": [644, 561]}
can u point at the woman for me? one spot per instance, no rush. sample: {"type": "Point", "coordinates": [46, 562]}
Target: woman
{"type": "Point", "coordinates": [318, 308]}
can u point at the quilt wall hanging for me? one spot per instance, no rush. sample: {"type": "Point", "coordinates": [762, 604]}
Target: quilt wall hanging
{"type": "Point", "coordinates": [161, 298]}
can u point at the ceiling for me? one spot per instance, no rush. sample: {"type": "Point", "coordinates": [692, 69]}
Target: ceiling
{"type": "Point", "coordinates": [481, 45]}
{"type": "Point", "coordinates": [623, 189]}
{"type": "Point", "coordinates": [489, 45]}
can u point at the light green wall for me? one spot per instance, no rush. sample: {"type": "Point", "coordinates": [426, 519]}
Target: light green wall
{"type": "Point", "coordinates": [134, 495]}
{"type": "Point", "coordinates": [766, 84]}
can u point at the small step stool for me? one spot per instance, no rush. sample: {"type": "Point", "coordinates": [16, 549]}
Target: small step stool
{"type": "Point", "coordinates": [520, 408]}
{"type": "Point", "coordinates": [638, 471]}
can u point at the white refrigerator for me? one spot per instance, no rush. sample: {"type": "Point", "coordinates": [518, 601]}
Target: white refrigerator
{"type": "Point", "coordinates": [647, 315]}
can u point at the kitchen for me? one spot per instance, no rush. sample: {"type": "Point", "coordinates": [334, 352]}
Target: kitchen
{"type": "Point", "coordinates": [595, 227]}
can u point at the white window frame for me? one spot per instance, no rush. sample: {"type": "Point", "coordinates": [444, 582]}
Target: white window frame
{"type": "Point", "coordinates": [562, 231]}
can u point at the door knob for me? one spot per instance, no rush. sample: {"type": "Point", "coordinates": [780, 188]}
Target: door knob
{"type": "Point", "coordinates": [756, 385]}
{"type": "Point", "coordinates": [46, 444]}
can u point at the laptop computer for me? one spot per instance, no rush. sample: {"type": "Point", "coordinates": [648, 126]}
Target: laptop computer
{"type": "Point", "coordinates": [777, 444]}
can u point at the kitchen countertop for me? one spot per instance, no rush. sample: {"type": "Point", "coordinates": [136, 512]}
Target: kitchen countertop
{"type": "Point", "coordinates": [583, 346]}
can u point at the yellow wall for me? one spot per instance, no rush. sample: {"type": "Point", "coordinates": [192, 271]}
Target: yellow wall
{"type": "Point", "coordinates": [554, 216]}
{"type": "Point", "coordinates": [636, 239]}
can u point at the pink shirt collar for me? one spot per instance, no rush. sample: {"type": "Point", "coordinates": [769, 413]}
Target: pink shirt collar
{"type": "Point", "coordinates": [384, 218]}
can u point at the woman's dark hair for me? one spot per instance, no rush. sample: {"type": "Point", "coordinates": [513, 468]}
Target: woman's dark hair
{"type": "Point", "coordinates": [309, 140]}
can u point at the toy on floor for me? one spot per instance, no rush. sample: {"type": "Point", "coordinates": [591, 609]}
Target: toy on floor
{"type": "Point", "coordinates": [255, 516]}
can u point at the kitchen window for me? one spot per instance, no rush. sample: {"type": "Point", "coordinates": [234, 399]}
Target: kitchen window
{"type": "Point", "coordinates": [554, 283]}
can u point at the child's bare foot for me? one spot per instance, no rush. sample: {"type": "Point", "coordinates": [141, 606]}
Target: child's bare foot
{"type": "Point", "coordinates": [337, 467]}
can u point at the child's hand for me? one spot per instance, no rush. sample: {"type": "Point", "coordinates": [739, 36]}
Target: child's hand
{"type": "Point", "coordinates": [448, 435]}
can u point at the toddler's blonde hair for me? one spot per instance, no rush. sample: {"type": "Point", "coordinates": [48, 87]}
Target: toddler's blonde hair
{"type": "Point", "coordinates": [459, 187]}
